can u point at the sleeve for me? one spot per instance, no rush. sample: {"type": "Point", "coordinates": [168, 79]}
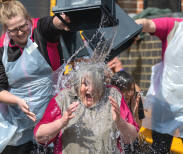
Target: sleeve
{"type": "Point", "coordinates": [51, 114]}
{"type": "Point", "coordinates": [48, 30]}
{"type": "Point", "coordinates": [126, 114]}
{"type": "Point", "coordinates": [164, 26]}
{"type": "Point", "coordinates": [3, 78]}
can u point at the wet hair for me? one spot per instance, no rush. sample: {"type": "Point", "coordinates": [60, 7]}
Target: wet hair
{"type": "Point", "coordinates": [10, 9]}
{"type": "Point", "coordinates": [95, 72]}
{"type": "Point", "coordinates": [122, 80]}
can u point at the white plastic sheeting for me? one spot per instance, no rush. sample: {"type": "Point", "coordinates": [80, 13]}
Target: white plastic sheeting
{"type": "Point", "coordinates": [164, 100]}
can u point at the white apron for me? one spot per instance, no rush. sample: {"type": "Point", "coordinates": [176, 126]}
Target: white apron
{"type": "Point", "coordinates": [165, 95]}
{"type": "Point", "coordinates": [29, 78]}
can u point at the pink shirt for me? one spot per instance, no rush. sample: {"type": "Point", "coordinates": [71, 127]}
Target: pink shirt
{"type": "Point", "coordinates": [163, 28]}
{"type": "Point", "coordinates": [53, 113]}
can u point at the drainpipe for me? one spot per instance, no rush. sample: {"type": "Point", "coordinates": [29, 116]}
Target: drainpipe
{"type": "Point", "coordinates": [52, 4]}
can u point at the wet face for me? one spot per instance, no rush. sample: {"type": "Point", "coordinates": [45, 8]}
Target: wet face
{"type": "Point", "coordinates": [129, 93]}
{"type": "Point", "coordinates": [87, 94]}
{"type": "Point", "coordinates": [18, 30]}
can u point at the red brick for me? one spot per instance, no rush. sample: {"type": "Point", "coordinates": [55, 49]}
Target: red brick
{"type": "Point", "coordinates": [140, 1]}
{"type": "Point", "coordinates": [140, 5]}
{"type": "Point", "coordinates": [128, 5]}
{"type": "Point", "coordinates": [132, 6]}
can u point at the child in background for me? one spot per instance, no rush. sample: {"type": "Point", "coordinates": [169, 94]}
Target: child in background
{"type": "Point", "coordinates": [127, 86]}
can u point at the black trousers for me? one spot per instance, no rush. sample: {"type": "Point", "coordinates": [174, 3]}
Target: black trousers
{"type": "Point", "coordinates": [161, 145]}
{"type": "Point", "coordinates": [22, 149]}
{"type": "Point", "coordinates": [27, 148]}
{"type": "Point", "coordinates": [161, 142]}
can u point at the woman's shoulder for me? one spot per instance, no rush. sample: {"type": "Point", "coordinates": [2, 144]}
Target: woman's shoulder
{"type": "Point", "coordinates": [2, 40]}
{"type": "Point", "coordinates": [65, 97]}
{"type": "Point", "coordinates": [1, 45]}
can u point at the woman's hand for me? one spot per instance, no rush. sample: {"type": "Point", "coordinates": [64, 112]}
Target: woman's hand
{"type": "Point", "coordinates": [115, 110]}
{"type": "Point", "coordinates": [127, 130]}
{"type": "Point", "coordinates": [25, 108]}
{"type": "Point", "coordinates": [115, 65]}
{"type": "Point", "coordinates": [148, 25]}
{"type": "Point", "coordinates": [48, 131]}
{"type": "Point", "coordinates": [68, 114]}
{"type": "Point", "coordinates": [59, 24]}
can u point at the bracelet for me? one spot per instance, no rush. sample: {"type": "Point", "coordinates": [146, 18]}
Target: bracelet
{"type": "Point", "coordinates": [122, 69]}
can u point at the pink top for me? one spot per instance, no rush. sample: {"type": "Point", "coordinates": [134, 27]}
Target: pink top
{"type": "Point", "coordinates": [53, 113]}
{"type": "Point", "coordinates": [163, 28]}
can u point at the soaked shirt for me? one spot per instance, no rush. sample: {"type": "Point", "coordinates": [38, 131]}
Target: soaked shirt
{"type": "Point", "coordinates": [96, 132]}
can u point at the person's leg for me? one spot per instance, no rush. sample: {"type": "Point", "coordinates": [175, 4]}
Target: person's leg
{"type": "Point", "coordinates": [161, 142]}
{"type": "Point", "coordinates": [22, 149]}
{"type": "Point", "coordinates": [28, 148]}
{"type": "Point", "coordinates": [40, 149]}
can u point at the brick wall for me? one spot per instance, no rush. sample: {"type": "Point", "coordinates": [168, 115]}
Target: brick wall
{"type": "Point", "coordinates": [131, 6]}
{"type": "Point", "coordinates": [135, 6]}
{"type": "Point", "coordinates": [139, 59]}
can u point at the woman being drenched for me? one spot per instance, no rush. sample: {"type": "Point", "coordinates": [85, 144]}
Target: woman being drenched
{"type": "Point", "coordinates": [88, 117]}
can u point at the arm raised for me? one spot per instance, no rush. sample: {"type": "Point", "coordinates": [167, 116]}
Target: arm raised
{"type": "Point", "coordinates": [127, 130]}
{"type": "Point", "coordinates": [59, 24]}
{"type": "Point", "coordinates": [148, 25]}
{"type": "Point", "coordinates": [46, 132]}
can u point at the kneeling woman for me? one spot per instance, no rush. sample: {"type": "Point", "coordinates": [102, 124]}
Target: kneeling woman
{"type": "Point", "coordinates": [88, 117]}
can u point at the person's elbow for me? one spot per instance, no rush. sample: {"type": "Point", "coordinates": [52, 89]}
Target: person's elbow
{"type": "Point", "coordinates": [130, 136]}
{"type": "Point", "coordinates": [135, 135]}
{"type": "Point", "coordinates": [40, 138]}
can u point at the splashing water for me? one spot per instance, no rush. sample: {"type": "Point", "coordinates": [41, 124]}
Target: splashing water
{"type": "Point", "coordinates": [97, 56]}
